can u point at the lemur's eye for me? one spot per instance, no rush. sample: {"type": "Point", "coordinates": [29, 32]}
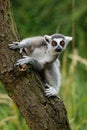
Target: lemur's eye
{"type": "Point", "coordinates": [54, 43]}
{"type": "Point", "coordinates": [62, 43]}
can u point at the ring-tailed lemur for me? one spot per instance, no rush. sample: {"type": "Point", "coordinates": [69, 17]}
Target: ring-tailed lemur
{"type": "Point", "coordinates": [43, 52]}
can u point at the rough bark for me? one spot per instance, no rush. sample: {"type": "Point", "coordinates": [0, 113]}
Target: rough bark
{"type": "Point", "coordinates": [26, 88]}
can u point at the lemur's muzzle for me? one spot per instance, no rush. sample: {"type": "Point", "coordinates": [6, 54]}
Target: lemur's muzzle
{"type": "Point", "coordinates": [58, 49]}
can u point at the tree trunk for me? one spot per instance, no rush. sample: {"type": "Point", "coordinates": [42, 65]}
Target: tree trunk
{"type": "Point", "coordinates": [26, 88]}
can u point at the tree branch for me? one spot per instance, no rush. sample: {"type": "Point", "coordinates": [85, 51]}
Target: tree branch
{"type": "Point", "coordinates": [26, 88]}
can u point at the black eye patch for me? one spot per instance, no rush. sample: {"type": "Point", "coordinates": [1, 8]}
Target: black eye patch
{"type": "Point", "coordinates": [54, 43]}
{"type": "Point", "coordinates": [62, 43]}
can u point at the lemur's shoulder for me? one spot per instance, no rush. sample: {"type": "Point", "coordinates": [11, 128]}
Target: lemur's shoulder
{"type": "Point", "coordinates": [36, 42]}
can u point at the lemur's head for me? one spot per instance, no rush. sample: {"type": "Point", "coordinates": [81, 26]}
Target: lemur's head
{"type": "Point", "coordinates": [58, 42]}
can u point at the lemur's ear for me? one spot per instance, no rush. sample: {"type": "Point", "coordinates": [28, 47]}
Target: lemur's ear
{"type": "Point", "coordinates": [68, 39]}
{"type": "Point", "coordinates": [47, 38]}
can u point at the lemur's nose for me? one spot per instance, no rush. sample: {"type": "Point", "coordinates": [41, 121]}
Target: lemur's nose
{"type": "Point", "coordinates": [58, 49]}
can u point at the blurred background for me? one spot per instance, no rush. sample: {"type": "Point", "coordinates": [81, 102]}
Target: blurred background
{"type": "Point", "coordinates": [68, 17]}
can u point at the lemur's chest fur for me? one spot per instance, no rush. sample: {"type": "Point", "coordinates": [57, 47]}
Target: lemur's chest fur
{"type": "Point", "coordinates": [43, 54]}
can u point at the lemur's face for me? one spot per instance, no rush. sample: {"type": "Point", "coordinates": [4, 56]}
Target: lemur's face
{"type": "Point", "coordinates": [58, 42]}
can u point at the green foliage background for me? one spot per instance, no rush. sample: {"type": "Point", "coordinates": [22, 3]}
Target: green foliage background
{"type": "Point", "coordinates": [39, 17]}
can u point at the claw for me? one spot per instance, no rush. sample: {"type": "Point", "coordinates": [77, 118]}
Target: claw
{"type": "Point", "coordinates": [25, 56]}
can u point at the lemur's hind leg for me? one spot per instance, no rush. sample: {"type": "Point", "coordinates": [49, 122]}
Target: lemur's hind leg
{"type": "Point", "coordinates": [53, 79]}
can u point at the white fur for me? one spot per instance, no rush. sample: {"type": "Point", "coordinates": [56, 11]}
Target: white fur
{"type": "Point", "coordinates": [43, 57]}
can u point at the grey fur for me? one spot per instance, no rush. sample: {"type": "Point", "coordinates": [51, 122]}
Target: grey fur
{"type": "Point", "coordinates": [44, 58]}
{"type": "Point", "coordinates": [58, 36]}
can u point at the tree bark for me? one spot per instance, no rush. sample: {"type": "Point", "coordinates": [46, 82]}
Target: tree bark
{"type": "Point", "coordinates": [27, 88]}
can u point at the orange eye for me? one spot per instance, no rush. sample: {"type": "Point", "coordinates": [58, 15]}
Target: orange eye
{"type": "Point", "coordinates": [54, 43]}
{"type": "Point", "coordinates": [62, 43]}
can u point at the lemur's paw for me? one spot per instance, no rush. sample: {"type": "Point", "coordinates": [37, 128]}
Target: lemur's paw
{"type": "Point", "coordinates": [50, 91]}
{"type": "Point", "coordinates": [14, 45]}
{"type": "Point", "coordinates": [23, 60]}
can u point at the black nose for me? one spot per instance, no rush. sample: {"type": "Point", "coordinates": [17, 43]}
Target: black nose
{"type": "Point", "coordinates": [58, 49]}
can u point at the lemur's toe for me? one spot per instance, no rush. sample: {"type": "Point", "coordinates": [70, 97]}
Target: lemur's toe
{"type": "Point", "coordinates": [50, 91]}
